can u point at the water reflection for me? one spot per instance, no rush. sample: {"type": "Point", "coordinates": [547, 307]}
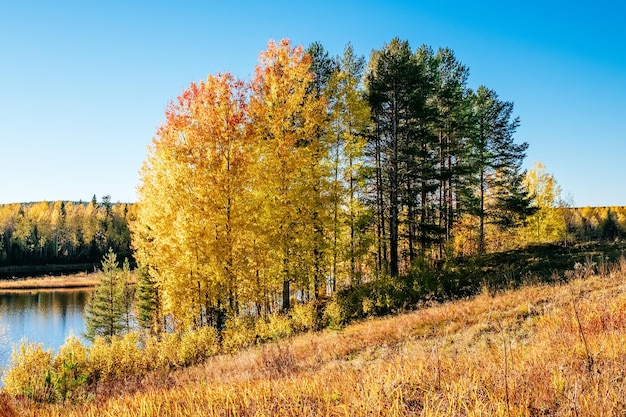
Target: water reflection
{"type": "Point", "coordinates": [47, 316]}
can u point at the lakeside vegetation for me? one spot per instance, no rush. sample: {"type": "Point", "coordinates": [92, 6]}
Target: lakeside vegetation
{"type": "Point", "coordinates": [544, 349]}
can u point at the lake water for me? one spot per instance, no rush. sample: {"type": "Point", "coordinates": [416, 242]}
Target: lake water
{"type": "Point", "coordinates": [46, 316]}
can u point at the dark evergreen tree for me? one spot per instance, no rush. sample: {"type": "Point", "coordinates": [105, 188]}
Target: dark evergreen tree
{"type": "Point", "coordinates": [147, 301]}
{"type": "Point", "coordinates": [323, 67]}
{"type": "Point", "coordinates": [452, 128]}
{"type": "Point", "coordinates": [106, 312]}
{"type": "Point", "coordinates": [390, 88]}
{"type": "Point", "coordinates": [497, 160]}
{"type": "Point", "coordinates": [399, 89]}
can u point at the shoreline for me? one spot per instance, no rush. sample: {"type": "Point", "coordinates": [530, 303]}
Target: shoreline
{"type": "Point", "coordinates": [75, 281]}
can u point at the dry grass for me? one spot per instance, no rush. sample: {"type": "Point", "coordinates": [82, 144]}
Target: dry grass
{"type": "Point", "coordinates": [80, 280]}
{"type": "Point", "coordinates": [548, 350]}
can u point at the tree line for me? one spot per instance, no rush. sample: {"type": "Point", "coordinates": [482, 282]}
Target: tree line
{"type": "Point", "coordinates": [63, 232]}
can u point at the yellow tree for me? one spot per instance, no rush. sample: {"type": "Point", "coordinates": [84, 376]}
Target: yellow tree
{"type": "Point", "coordinates": [192, 229]}
{"type": "Point", "coordinates": [548, 222]}
{"type": "Point", "coordinates": [288, 121]}
{"type": "Point", "coordinates": [349, 123]}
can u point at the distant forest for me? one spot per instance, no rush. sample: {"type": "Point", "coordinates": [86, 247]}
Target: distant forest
{"type": "Point", "coordinates": [62, 233]}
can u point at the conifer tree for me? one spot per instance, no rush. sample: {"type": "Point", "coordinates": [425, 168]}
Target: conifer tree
{"type": "Point", "coordinates": [106, 311]}
{"type": "Point", "coordinates": [349, 126]}
{"type": "Point", "coordinates": [398, 85]}
{"type": "Point", "coordinates": [452, 124]}
{"type": "Point", "coordinates": [147, 302]}
{"type": "Point", "coordinates": [502, 198]}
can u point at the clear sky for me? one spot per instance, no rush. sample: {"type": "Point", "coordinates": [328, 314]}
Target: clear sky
{"type": "Point", "coordinates": [84, 85]}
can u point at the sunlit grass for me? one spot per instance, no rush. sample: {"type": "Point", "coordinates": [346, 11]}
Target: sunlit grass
{"type": "Point", "coordinates": [78, 280]}
{"type": "Point", "coordinates": [544, 350]}
{"type": "Point", "coordinates": [65, 281]}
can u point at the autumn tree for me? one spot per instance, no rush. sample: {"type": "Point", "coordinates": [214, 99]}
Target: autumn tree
{"type": "Point", "coordinates": [195, 202]}
{"type": "Point", "coordinates": [288, 121]}
{"type": "Point", "coordinates": [548, 223]}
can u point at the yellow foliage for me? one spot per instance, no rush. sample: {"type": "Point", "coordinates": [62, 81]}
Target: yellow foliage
{"type": "Point", "coordinates": [239, 333]}
{"type": "Point", "coordinates": [304, 317]}
{"type": "Point", "coordinates": [72, 351]}
{"type": "Point", "coordinates": [198, 345]}
{"type": "Point", "coordinates": [548, 223]}
{"type": "Point", "coordinates": [117, 359]}
{"type": "Point", "coordinates": [193, 220]}
{"type": "Point", "coordinates": [30, 372]}
{"type": "Point", "coordinates": [275, 327]}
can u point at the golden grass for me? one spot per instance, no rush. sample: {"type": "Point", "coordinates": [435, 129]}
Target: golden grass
{"type": "Point", "coordinates": [80, 280]}
{"type": "Point", "coordinates": [546, 350]}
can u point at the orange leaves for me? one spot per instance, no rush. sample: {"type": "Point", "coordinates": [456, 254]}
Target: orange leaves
{"type": "Point", "coordinates": [230, 166]}
{"type": "Point", "coordinates": [193, 181]}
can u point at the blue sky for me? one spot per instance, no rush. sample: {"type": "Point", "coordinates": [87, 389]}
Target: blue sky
{"type": "Point", "coordinates": [84, 85]}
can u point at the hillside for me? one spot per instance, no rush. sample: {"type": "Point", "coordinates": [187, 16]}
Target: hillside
{"type": "Point", "coordinates": [553, 349]}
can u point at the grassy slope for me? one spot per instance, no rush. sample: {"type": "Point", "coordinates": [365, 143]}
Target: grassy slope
{"type": "Point", "coordinates": [537, 351]}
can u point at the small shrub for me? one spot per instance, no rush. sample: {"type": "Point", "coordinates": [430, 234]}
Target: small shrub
{"type": "Point", "coordinates": [197, 345]}
{"type": "Point", "coordinates": [30, 372]}
{"type": "Point", "coordinates": [128, 354]}
{"type": "Point", "coordinates": [334, 314]}
{"type": "Point", "coordinates": [276, 326]}
{"type": "Point", "coordinates": [164, 350]}
{"type": "Point", "coordinates": [369, 306]}
{"type": "Point", "coordinates": [119, 358]}
{"type": "Point", "coordinates": [71, 369]}
{"type": "Point", "coordinates": [304, 317]}
{"type": "Point", "coordinates": [239, 333]}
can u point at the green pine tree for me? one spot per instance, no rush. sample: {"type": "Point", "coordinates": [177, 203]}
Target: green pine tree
{"type": "Point", "coordinates": [146, 301]}
{"type": "Point", "coordinates": [106, 310]}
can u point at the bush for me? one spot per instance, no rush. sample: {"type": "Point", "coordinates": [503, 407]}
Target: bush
{"type": "Point", "coordinates": [276, 326]}
{"type": "Point", "coordinates": [162, 351]}
{"type": "Point", "coordinates": [334, 314]}
{"type": "Point", "coordinates": [239, 333]}
{"type": "Point", "coordinates": [30, 373]}
{"type": "Point", "coordinates": [117, 359]}
{"type": "Point", "coordinates": [197, 345]}
{"type": "Point", "coordinates": [38, 375]}
{"type": "Point", "coordinates": [304, 317]}
{"type": "Point", "coordinates": [71, 369]}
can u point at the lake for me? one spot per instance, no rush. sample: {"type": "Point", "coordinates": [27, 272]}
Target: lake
{"type": "Point", "coordinates": [46, 316]}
